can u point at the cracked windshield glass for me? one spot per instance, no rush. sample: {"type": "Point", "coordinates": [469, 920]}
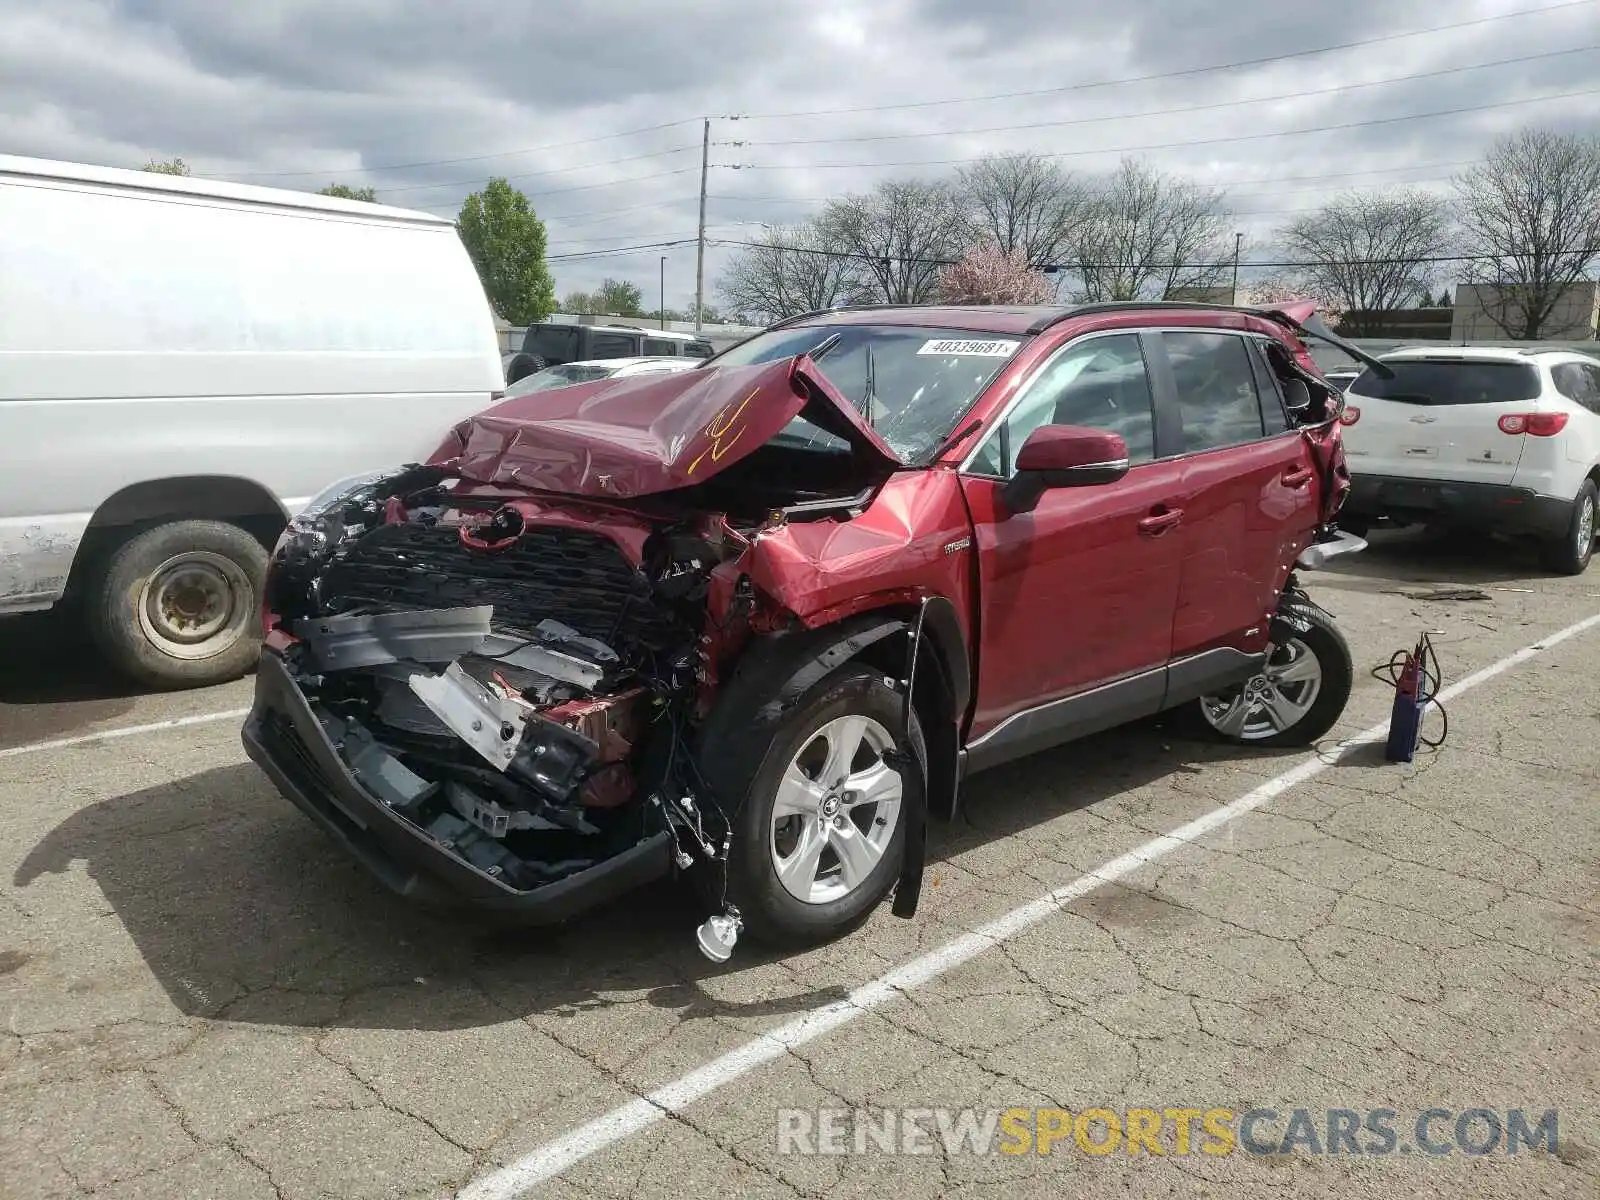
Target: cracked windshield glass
{"type": "Point", "coordinates": [911, 383]}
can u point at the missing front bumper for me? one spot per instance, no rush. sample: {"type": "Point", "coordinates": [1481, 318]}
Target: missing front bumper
{"type": "Point", "coordinates": [283, 736]}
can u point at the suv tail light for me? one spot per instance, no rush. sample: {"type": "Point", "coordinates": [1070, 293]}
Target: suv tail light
{"type": "Point", "coordinates": [1539, 424]}
{"type": "Point", "coordinates": [1349, 416]}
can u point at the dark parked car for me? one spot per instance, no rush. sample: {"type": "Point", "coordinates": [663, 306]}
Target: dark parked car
{"type": "Point", "coordinates": [549, 344]}
{"type": "Point", "coordinates": [757, 621]}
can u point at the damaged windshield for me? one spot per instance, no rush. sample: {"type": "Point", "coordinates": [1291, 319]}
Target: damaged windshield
{"type": "Point", "coordinates": [911, 383]}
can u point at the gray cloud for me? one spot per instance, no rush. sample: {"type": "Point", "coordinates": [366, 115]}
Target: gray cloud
{"type": "Point", "coordinates": [299, 93]}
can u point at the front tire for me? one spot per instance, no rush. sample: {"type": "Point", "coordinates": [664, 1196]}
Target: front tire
{"type": "Point", "coordinates": [178, 606]}
{"type": "Point", "coordinates": [1297, 698]}
{"type": "Point", "coordinates": [819, 836]}
{"type": "Point", "coordinates": [1570, 553]}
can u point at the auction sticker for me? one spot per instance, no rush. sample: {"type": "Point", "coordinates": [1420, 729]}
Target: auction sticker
{"type": "Point", "coordinates": [989, 349]}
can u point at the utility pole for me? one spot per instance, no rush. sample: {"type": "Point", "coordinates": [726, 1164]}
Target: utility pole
{"type": "Point", "coordinates": [700, 252]}
{"type": "Point", "coordinates": [662, 312]}
{"type": "Point", "coordinates": [1238, 241]}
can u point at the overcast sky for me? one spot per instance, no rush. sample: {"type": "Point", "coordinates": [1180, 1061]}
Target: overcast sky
{"type": "Point", "coordinates": [594, 108]}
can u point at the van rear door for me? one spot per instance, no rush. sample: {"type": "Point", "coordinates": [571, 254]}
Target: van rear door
{"type": "Point", "coordinates": [1439, 418]}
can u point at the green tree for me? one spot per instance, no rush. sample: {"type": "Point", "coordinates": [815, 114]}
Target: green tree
{"type": "Point", "coordinates": [173, 166]}
{"type": "Point", "coordinates": [579, 303]}
{"type": "Point", "coordinates": [619, 297]}
{"type": "Point", "coordinates": [507, 244]}
{"type": "Point", "coordinates": [346, 192]}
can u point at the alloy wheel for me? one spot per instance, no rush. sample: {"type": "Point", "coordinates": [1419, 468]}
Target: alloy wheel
{"type": "Point", "coordinates": [1273, 701]}
{"type": "Point", "coordinates": [836, 810]}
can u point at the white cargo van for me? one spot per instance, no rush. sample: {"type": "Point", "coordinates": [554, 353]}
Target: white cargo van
{"type": "Point", "coordinates": [183, 365]}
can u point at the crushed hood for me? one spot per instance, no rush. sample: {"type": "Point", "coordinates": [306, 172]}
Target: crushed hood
{"type": "Point", "coordinates": [641, 436]}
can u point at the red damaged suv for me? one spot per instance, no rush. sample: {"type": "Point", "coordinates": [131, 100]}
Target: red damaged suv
{"type": "Point", "coordinates": [757, 621]}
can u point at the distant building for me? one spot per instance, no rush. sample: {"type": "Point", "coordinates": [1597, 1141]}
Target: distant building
{"type": "Point", "coordinates": [1411, 324]}
{"type": "Point", "coordinates": [1576, 316]}
{"type": "Point", "coordinates": [1207, 295]}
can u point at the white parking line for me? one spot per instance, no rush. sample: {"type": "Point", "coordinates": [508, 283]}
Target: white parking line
{"type": "Point", "coordinates": [232, 714]}
{"type": "Point", "coordinates": [551, 1159]}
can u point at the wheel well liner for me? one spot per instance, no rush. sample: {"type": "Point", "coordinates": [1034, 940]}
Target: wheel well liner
{"type": "Point", "coordinates": [152, 502]}
{"type": "Point", "coordinates": [188, 497]}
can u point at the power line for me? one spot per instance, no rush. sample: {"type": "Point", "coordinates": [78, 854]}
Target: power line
{"type": "Point", "coordinates": [1245, 137]}
{"type": "Point", "coordinates": [588, 218]}
{"type": "Point", "coordinates": [610, 162]}
{"type": "Point", "coordinates": [1247, 62]}
{"type": "Point", "coordinates": [1168, 112]}
{"type": "Point", "coordinates": [447, 162]}
{"type": "Point", "coordinates": [589, 187]}
{"type": "Point", "coordinates": [1069, 266]}
{"type": "Point", "coordinates": [585, 217]}
{"type": "Point", "coordinates": [1214, 183]}
{"type": "Point", "coordinates": [647, 129]}
{"type": "Point", "coordinates": [619, 250]}
{"type": "Point", "coordinates": [563, 243]}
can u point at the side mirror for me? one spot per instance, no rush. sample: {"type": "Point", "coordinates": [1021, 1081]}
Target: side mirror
{"type": "Point", "coordinates": [1058, 456]}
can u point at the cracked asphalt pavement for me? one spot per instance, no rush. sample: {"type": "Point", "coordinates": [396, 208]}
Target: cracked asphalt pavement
{"type": "Point", "coordinates": [201, 997]}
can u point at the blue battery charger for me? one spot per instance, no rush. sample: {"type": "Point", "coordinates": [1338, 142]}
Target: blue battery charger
{"type": "Point", "coordinates": [1415, 688]}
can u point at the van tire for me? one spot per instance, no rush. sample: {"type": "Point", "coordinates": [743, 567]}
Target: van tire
{"type": "Point", "coordinates": [1569, 554]}
{"type": "Point", "coordinates": [144, 602]}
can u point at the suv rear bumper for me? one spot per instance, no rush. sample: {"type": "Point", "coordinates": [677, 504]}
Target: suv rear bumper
{"type": "Point", "coordinates": [1488, 506]}
{"type": "Point", "coordinates": [283, 736]}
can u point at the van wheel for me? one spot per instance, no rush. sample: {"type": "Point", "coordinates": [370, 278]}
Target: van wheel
{"type": "Point", "coordinates": [819, 837]}
{"type": "Point", "coordinates": [179, 605]}
{"type": "Point", "coordinates": [1570, 553]}
{"type": "Point", "coordinates": [1301, 692]}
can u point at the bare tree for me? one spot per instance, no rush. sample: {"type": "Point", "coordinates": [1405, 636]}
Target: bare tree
{"type": "Point", "coordinates": [1021, 202]}
{"type": "Point", "coordinates": [1369, 252]}
{"type": "Point", "coordinates": [986, 274]}
{"type": "Point", "coordinates": [1145, 233]}
{"type": "Point", "coordinates": [1530, 219]}
{"type": "Point", "coordinates": [900, 234]}
{"type": "Point", "coordinates": [791, 270]}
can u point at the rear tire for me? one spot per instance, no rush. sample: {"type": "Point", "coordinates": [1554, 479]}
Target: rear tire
{"type": "Point", "coordinates": [178, 606]}
{"type": "Point", "coordinates": [1570, 553]}
{"type": "Point", "coordinates": [1299, 696]}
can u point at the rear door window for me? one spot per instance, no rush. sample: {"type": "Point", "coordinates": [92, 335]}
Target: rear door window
{"type": "Point", "coordinates": [1274, 413]}
{"type": "Point", "coordinates": [1436, 382]}
{"type": "Point", "coordinates": [556, 343]}
{"type": "Point", "coordinates": [1580, 382]}
{"type": "Point", "coordinates": [661, 346]}
{"type": "Point", "coordinates": [1217, 395]}
{"type": "Point", "coordinates": [613, 345]}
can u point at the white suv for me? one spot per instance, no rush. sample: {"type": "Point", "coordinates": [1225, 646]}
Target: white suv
{"type": "Point", "coordinates": [1489, 438]}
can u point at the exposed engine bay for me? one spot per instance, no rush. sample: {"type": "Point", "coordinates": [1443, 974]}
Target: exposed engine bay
{"type": "Point", "coordinates": [519, 690]}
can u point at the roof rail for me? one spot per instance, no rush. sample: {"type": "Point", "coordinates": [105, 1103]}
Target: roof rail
{"type": "Point", "coordinates": [822, 312]}
{"type": "Point", "coordinates": [1107, 306]}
